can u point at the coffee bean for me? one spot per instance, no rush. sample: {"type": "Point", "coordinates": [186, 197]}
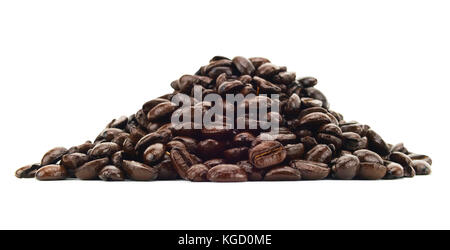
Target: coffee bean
{"type": "Point", "coordinates": [182, 160]}
{"type": "Point", "coordinates": [371, 170]}
{"type": "Point", "coordinates": [320, 153]}
{"type": "Point", "coordinates": [75, 160]}
{"type": "Point", "coordinates": [165, 170]}
{"type": "Point", "coordinates": [214, 162]}
{"type": "Point", "coordinates": [111, 173]}
{"type": "Point", "coordinates": [308, 82]}
{"type": "Point", "coordinates": [161, 111]}
{"type": "Point", "coordinates": [294, 151]}
{"type": "Point", "coordinates": [394, 171]}
{"type": "Point", "coordinates": [352, 141]}
{"type": "Point", "coordinates": [405, 161]}
{"type": "Point", "coordinates": [346, 167]}
{"type": "Point", "coordinates": [51, 172]}
{"type": "Point", "coordinates": [421, 157]}
{"type": "Point", "coordinates": [210, 148]}
{"type": "Point", "coordinates": [197, 173]}
{"type": "Point", "coordinates": [139, 171]}
{"type": "Point", "coordinates": [421, 167]}
{"type": "Point", "coordinates": [376, 143]}
{"type": "Point", "coordinates": [258, 61]}
{"type": "Point", "coordinates": [365, 155]}
{"type": "Point", "coordinates": [234, 155]}
{"type": "Point", "coordinates": [243, 65]}
{"type": "Point", "coordinates": [28, 171]}
{"type": "Point", "coordinates": [53, 156]}
{"type": "Point", "coordinates": [90, 170]}
{"type": "Point", "coordinates": [226, 173]}
{"type": "Point", "coordinates": [253, 174]}
{"type": "Point", "coordinates": [154, 153]}
{"type": "Point", "coordinates": [104, 149]}
{"type": "Point", "coordinates": [267, 154]}
{"type": "Point", "coordinates": [311, 170]}
{"type": "Point", "coordinates": [283, 173]}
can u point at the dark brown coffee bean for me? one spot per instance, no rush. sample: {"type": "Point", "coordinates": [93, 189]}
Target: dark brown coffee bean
{"type": "Point", "coordinates": [90, 170]}
{"type": "Point", "coordinates": [218, 63]}
{"type": "Point", "coordinates": [210, 148]}
{"type": "Point", "coordinates": [214, 162]}
{"type": "Point", "coordinates": [72, 161]}
{"type": "Point", "coordinates": [154, 153]}
{"type": "Point", "coordinates": [352, 141]}
{"type": "Point", "coordinates": [117, 158]}
{"type": "Point", "coordinates": [311, 170]}
{"type": "Point", "coordinates": [371, 171]}
{"type": "Point", "coordinates": [243, 65]}
{"type": "Point", "coordinates": [197, 173]}
{"type": "Point", "coordinates": [219, 132]}
{"type": "Point", "coordinates": [141, 118]}
{"type": "Point", "coordinates": [161, 111]}
{"type": "Point", "coordinates": [107, 135]}
{"type": "Point", "coordinates": [151, 104]}
{"type": "Point", "coordinates": [283, 173]}
{"type": "Point", "coordinates": [148, 140]}
{"type": "Point", "coordinates": [376, 143]}
{"type": "Point", "coordinates": [234, 155]}
{"type": "Point", "coordinates": [399, 147]}
{"type": "Point", "coordinates": [267, 70]}
{"type": "Point", "coordinates": [226, 173]}
{"type": "Point", "coordinates": [104, 149]}
{"type": "Point", "coordinates": [314, 120]}
{"type": "Point", "coordinates": [253, 174]}
{"type": "Point", "coordinates": [421, 157]}
{"type": "Point", "coordinates": [243, 139]}
{"type": "Point", "coordinates": [119, 123]}
{"type": "Point", "coordinates": [394, 171]}
{"type": "Point", "coordinates": [308, 82]}
{"type": "Point", "coordinates": [317, 95]}
{"type": "Point", "coordinates": [165, 170]}
{"type": "Point", "coordinates": [266, 87]}
{"type": "Point", "coordinates": [182, 160]}
{"type": "Point", "coordinates": [111, 173]}
{"type": "Point", "coordinates": [215, 72]}
{"type": "Point", "coordinates": [360, 129]}
{"type": "Point", "coordinates": [405, 161]}
{"type": "Point", "coordinates": [267, 154]}
{"type": "Point", "coordinates": [320, 153]}
{"type": "Point", "coordinates": [53, 156]}
{"type": "Point", "coordinates": [51, 172]}
{"type": "Point", "coordinates": [346, 167]}
{"type": "Point", "coordinates": [28, 171]}
{"type": "Point", "coordinates": [308, 102]}
{"type": "Point", "coordinates": [365, 155]}
{"type": "Point", "coordinates": [258, 61]}
{"type": "Point", "coordinates": [230, 87]}
{"type": "Point", "coordinates": [421, 167]}
{"type": "Point", "coordinates": [139, 171]}
{"type": "Point", "coordinates": [309, 142]}
{"type": "Point", "coordinates": [284, 78]}
{"type": "Point", "coordinates": [82, 148]}
{"type": "Point", "coordinates": [294, 151]}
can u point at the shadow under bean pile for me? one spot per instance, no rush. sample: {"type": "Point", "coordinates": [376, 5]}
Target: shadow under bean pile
{"type": "Point", "coordinates": [313, 142]}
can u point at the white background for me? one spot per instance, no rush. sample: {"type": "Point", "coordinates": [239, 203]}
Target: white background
{"type": "Point", "coordinates": [68, 67]}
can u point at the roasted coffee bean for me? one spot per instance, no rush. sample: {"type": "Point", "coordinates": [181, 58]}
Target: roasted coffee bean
{"type": "Point", "coordinates": [293, 105]}
{"type": "Point", "coordinates": [267, 154]}
{"type": "Point", "coordinates": [139, 171]}
{"type": "Point", "coordinates": [352, 141]}
{"type": "Point", "coordinates": [111, 173]}
{"type": "Point", "coordinates": [283, 173]}
{"type": "Point", "coordinates": [253, 174]}
{"type": "Point", "coordinates": [308, 82]}
{"type": "Point", "coordinates": [360, 129]}
{"type": "Point", "coordinates": [317, 95]}
{"type": "Point", "coordinates": [310, 102]}
{"type": "Point", "coordinates": [371, 171]}
{"type": "Point", "coordinates": [107, 135]}
{"type": "Point", "coordinates": [165, 170]}
{"type": "Point", "coordinates": [141, 118]}
{"type": "Point", "coordinates": [258, 61]}
{"type": "Point", "coordinates": [148, 140]}
{"type": "Point", "coordinates": [405, 161]}
{"type": "Point", "coordinates": [376, 143]}
{"type": "Point", "coordinates": [266, 87]}
{"type": "Point", "coordinates": [161, 111]}
{"type": "Point", "coordinates": [51, 172]}
{"type": "Point", "coordinates": [399, 147]}
{"type": "Point", "coordinates": [421, 157]}
{"type": "Point", "coordinates": [151, 104]}
{"type": "Point", "coordinates": [197, 173]}
{"type": "Point", "coordinates": [314, 120]}
{"type": "Point", "coordinates": [320, 153]}
{"type": "Point", "coordinates": [421, 167]}
{"type": "Point", "coordinates": [309, 142]}
{"type": "Point", "coordinates": [182, 160]}
{"type": "Point", "coordinates": [104, 149]}
{"type": "Point", "coordinates": [154, 153]}
{"type": "Point", "coordinates": [53, 156]}
{"type": "Point", "coordinates": [120, 122]}
{"type": "Point", "coordinates": [284, 78]}
{"type": "Point", "coordinates": [90, 170]}
{"type": "Point", "coordinates": [82, 148]}
{"type": "Point", "coordinates": [294, 151]}
{"type": "Point", "coordinates": [394, 170]}
{"type": "Point", "coordinates": [28, 171]}
{"type": "Point", "coordinates": [210, 148]}
{"type": "Point", "coordinates": [267, 70]}
{"type": "Point", "coordinates": [234, 155]}
{"type": "Point", "coordinates": [72, 161]}
{"type": "Point", "coordinates": [346, 167]}
{"type": "Point", "coordinates": [365, 155]}
{"type": "Point", "coordinates": [117, 158]}
{"type": "Point", "coordinates": [214, 162]}
{"type": "Point", "coordinates": [243, 65]}
{"type": "Point", "coordinates": [230, 87]}
{"type": "Point", "coordinates": [311, 170]}
{"type": "Point", "coordinates": [243, 139]}
{"type": "Point", "coordinates": [226, 173]}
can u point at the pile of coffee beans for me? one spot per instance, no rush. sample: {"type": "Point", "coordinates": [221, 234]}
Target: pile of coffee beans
{"type": "Point", "coordinates": [313, 142]}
